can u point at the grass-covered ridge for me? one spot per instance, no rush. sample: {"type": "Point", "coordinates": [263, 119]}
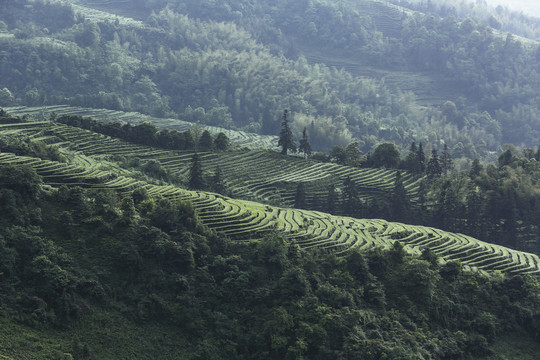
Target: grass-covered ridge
{"type": "Point", "coordinates": [101, 258]}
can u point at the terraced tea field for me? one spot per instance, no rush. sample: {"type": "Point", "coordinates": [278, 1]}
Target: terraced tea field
{"type": "Point", "coordinates": [244, 220]}
{"type": "Point", "coordinates": [259, 175]}
{"type": "Point", "coordinates": [240, 138]}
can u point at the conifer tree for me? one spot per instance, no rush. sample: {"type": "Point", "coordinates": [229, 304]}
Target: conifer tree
{"type": "Point", "coordinates": [399, 202]}
{"type": "Point", "coordinates": [422, 208]}
{"type": "Point", "coordinates": [434, 165]}
{"type": "Point", "coordinates": [412, 158]}
{"type": "Point", "coordinates": [196, 181]}
{"type": "Point", "coordinates": [217, 181]}
{"type": "Point", "coordinates": [474, 212]}
{"type": "Point", "coordinates": [420, 159]}
{"type": "Point", "coordinates": [446, 161]}
{"type": "Point", "coordinates": [206, 142]}
{"type": "Point", "coordinates": [331, 199]}
{"type": "Point", "coordinates": [285, 136]}
{"type": "Point", "coordinates": [351, 197]}
{"type": "Point", "coordinates": [221, 142]}
{"type": "Point", "coordinates": [354, 154]}
{"type": "Point", "coordinates": [305, 146]}
{"type": "Point", "coordinates": [300, 197]}
{"type": "Point", "coordinates": [476, 168]}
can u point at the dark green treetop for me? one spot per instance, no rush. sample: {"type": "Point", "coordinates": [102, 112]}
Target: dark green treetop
{"type": "Point", "coordinates": [285, 136]}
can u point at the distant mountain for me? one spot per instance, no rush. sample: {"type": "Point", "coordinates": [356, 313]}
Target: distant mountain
{"type": "Point", "coordinates": [366, 70]}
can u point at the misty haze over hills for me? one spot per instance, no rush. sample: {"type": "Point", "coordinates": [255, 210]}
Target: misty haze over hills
{"type": "Point", "coordinates": [529, 7]}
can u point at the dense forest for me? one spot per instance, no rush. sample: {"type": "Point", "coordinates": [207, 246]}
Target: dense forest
{"type": "Point", "coordinates": [398, 221]}
{"type": "Point", "coordinates": [84, 273]}
{"type": "Point", "coordinates": [242, 67]}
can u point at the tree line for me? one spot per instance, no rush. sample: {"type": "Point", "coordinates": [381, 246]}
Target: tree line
{"type": "Point", "coordinates": [147, 134]}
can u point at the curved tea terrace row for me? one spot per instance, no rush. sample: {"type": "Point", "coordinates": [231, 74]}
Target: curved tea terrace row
{"type": "Point", "coordinates": [244, 220]}
{"type": "Point", "coordinates": [262, 175]}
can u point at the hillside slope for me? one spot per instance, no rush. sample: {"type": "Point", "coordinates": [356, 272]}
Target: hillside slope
{"type": "Point", "coordinates": [369, 72]}
{"type": "Point", "coordinates": [242, 219]}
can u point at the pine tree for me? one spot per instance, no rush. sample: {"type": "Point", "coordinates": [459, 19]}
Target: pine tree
{"type": "Point", "coordinates": [412, 158]}
{"type": "Point", "coordinates": [285, 136]}
{"type": "Point", "coordinates": [399, 202]}
{"type": "Point", "coordinates": [221, 142]}
{"type": "Point", "coordinates": [446, 161]}
{"type": "Point", "coordinates": [420, 159]}
{"type": "Point", "coordinates": [331, 199]}
{"type": "Point", "coordinates": [434, 165]}
{"type": "Point", "coordinates": [300, 197]}
{"type": "Point", "coordinates": [352, 200]}
{"type": "Point", "coordinates": [206, 142]}
{"type": "Point", "coordinates": [354, 154]}
{"type": "Point", "coordinates": [305, 146]}
{"type": "Point", "coordinates": [196, 181]}
{"type": "Point", "coordinates": [217, 181]}
{"type": "Point", "coordinates": [476, 169]}
{"type": "Point", "coordinates": [474, 212]}
{"type": "Point", "coordinates": [422, 208]}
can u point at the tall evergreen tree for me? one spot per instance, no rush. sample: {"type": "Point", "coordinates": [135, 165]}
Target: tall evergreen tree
{"type": "Point", "coordinates": [221, 142]}
{"type": "Point", "coordinates": [434, 165]}
{"type": "Point", "coordinates": [399, 202]}
{"type": "Point", "coordinates": [305, 146]}
{"type": "Point", "coordinates": [354, 154]}
{"type": "Point", "coordinates": [474, 212]}
{"type": "Point", "coordinates": [351, 197]}
{"type": "Point", "coordinates": [411, 162]}
{"type": "Point", "coordinates": [331, 199]}
{"type": "Point", "coordinates": [285, 136]}
{"type": "Point", "coordinates": [206, 142]}
{"type": "Point", "coordinates": [300, 197]}
{"type": "Point", "coordinates": [420, 159]}
{"type": "Point", "coordinates": [422, 208]}
{"type": "Point", "coordinates": [446, 161]}
{"type": "Point", "coordinates": [476, 168]}
{"type": "Point", "coordinates": [217, 181]}
{"type": "Point", "coordinates": [196, 181]}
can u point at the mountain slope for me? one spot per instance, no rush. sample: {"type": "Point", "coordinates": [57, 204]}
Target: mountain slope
{"type": "Point", "coordinates": [238, 65]}
{"type": "Point", "coordinates": [242, 219]}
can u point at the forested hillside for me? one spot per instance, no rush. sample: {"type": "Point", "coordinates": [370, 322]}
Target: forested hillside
{"type": "Point", "coordinates": [385, 73]}
{"type": "Point", "coordinates": [145, 212]}
{"type": "Point", "coordinates": [105, 254]}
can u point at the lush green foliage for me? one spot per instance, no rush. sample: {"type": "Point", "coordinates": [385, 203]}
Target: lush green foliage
{"type": "Point", "coordinates": [103, 254]}
{"type": "Point", "coordinates": [93, 260]}
{"type": "Point", "coordinates": [230, 74]}
{"type": "Point", "coordinates": [244, 220]}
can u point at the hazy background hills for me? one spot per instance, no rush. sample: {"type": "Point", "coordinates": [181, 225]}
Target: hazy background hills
{"type": "Point", "coordinates": [368, 71]}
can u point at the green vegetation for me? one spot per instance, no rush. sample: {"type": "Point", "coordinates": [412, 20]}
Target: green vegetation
{"type": "Point", "coordinates": [248, 220]}
{"type": "Point", "coordinates": [218, 63]}
{"type": "Point", "coordinates": [146, 212]}
{"type": "Point", "coordinates": [88, 274]}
